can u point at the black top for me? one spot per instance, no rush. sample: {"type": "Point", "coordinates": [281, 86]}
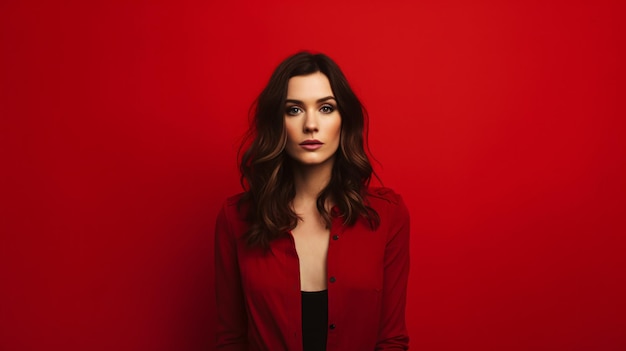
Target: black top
{"type": "Point", "coordinates": [314, 320]}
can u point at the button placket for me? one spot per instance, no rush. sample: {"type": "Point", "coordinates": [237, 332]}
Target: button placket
{"type": "Point", "coordinates": [335, 235]}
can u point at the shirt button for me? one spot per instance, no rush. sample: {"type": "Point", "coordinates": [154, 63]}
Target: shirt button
{"type": "Point", "coordinates": [332, 279]}
{"type": "Point", "coordinates": [335, 237]}
{"type": "Point", "coordinates": [332, 326]}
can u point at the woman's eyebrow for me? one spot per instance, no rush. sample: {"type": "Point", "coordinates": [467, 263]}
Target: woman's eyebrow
{"type": "Point", "coordinates": [318, 100]}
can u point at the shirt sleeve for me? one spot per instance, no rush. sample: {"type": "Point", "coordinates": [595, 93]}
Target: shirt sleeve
{"type": "Point", "coordinates": [392, 334]}
{"type": "Point", "coordinates": [231, 313]}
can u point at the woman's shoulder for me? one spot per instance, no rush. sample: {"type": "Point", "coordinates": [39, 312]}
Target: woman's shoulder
{"type": "Point", "coordinates": [394, 214]}
{"type": "Point", "coordinates": [233, 207]}
{"type": "Point", "coordinates": [387, 202]}
{"type": "Point", "coordinates": [233, 201]}
{"type": "Point", "coordinates": [383, 195]}
{"type": "Point", "coordinates": [232, 215]}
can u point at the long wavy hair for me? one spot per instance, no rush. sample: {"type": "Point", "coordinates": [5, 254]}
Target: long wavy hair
{"type": "Point", "coordinates": [266, 169]}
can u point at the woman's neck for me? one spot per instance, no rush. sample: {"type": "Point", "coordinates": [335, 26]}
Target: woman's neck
{"type": "Point", "coordinates": [309, 182]}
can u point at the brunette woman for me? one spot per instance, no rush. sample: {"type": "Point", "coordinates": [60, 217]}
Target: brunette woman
{"type": "Point", "coordinates": [310, 257]}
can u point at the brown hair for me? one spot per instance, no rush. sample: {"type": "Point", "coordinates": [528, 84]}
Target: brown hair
{"type": "Point", "coordinates": [265, 167]}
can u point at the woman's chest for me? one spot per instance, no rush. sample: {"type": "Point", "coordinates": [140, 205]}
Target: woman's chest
{"type": "Point", "coordinates": [354, 260]}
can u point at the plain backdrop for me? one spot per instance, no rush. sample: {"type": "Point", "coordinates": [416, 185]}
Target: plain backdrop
{"type": "Point", "coordinates": [500, 122]}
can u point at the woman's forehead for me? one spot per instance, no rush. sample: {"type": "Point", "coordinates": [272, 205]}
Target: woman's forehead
{"type": "Point", "coordinates": [309, 88]}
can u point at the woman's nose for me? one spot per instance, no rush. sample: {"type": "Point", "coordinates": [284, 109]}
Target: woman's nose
{"type": "Point", "coordinates": [310, 122]}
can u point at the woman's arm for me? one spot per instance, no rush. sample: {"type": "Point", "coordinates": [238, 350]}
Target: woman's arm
{"type": "Point", "coordinates": [392, 334]}
{"type": "Point", "coordinates": [231, 313]}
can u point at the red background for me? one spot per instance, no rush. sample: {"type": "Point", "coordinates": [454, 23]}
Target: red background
{"type": "Point", "coordinates": [501, 123]}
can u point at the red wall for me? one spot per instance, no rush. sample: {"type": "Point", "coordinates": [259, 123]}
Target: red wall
{"type": "Point", "coordinates": [501, 123]}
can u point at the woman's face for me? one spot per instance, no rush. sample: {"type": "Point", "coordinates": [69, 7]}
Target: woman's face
{"type": "Point", "coordinates": [312, 121]}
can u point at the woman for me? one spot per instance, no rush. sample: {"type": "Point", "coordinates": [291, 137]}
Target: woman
{"type": "Point", "coordinates": [309, 257]}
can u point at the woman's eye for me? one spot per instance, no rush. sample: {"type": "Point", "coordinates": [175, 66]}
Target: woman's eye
{"type": "Point", "coordinates": [327, 109]}
{"type": "Point", "coordinates": [293, 110]}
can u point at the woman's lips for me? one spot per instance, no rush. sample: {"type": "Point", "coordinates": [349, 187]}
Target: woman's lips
{"type": "Point", "coordinates": [311, 144]}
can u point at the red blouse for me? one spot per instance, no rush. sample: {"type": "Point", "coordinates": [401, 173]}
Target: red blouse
{"type": "Point", "coordinates": [258, 292]}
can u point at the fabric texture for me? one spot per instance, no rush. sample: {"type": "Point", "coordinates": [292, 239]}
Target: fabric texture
{"type": "Point", "coordinates": [314, 320]}
{"type": "Point", "coordinates": [258, 292]}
